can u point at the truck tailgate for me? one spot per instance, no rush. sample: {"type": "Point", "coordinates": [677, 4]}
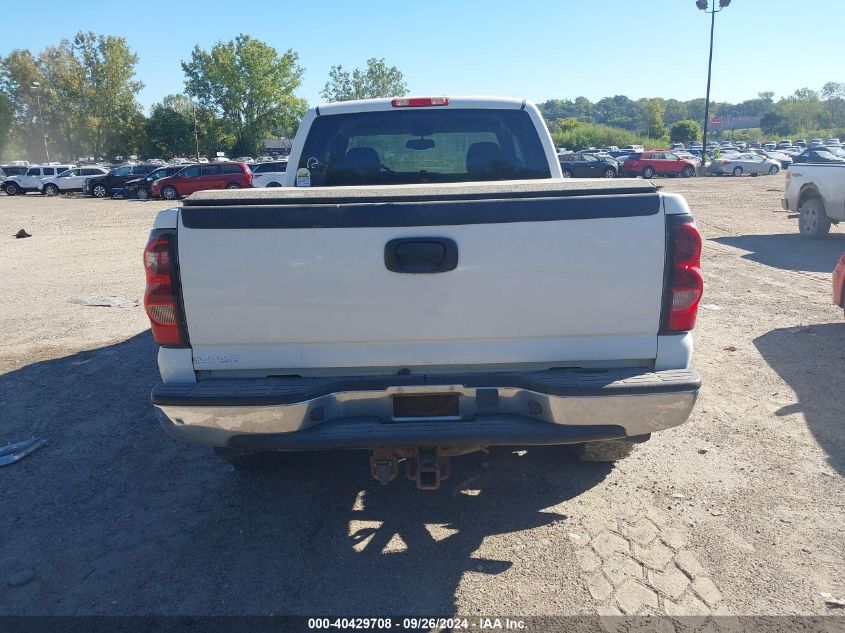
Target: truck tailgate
{"type": "Point", "coordinates": [545, 273]}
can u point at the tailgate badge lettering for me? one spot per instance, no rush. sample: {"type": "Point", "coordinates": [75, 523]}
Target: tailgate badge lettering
{"type": "Point", "coordinates": [217, 359]}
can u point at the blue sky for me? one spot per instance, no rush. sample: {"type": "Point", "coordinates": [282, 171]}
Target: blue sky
{"type": "Point", "coordinates": [537, 50]}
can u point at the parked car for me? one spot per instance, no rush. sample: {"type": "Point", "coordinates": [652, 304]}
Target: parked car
{"type": "Point", "coordinates": [71, 180]}
{"type": "Point", "coordinates": [801, 142]}
{"type": "Point", "coordinates": [815, 192]}
{"type": "Point", "coordinates": [696, 145]}
{"type": "Point", "coordinates": [686, 155]}
{"type": "Point", "coordinates": [243, 159]}
{"type": "Point", "coordinates": [269, 174]}
{"type": "Point", "coordinates": [32, 179]}
{"type": "Point", "coordinates": [754, 145]}
{"type": "Point", "coordinates": [657, 163]}
{"type": "Point", "coordinates": [818, 155]}
{"type": "Point", "coordinates": [141, 188]}
{"type": "Point", "coordinates": [816, 142]}
{"type": "Point", "coordinates": [7, 171]}
{"type": "Point", "coordinates": [632, 148]}
{"type": "Point", "coordinates": [769, 146]}
{"type": "Point", "coordinates": [256, 307]}
{"type": "Point", "coordinates": [228, 175]}
{"type": "Point", "coordinates": [740, 164]}
{"type": "Point", "coordinates": [103, 186]}
{"type": "Point", "coordinates": [783, 158]}
{"type": "Point", "coordinates": [833, 142]}
{"type": "Point", "coordinates": [839, 283]}
{"type": "Point", "coordinates": [587, 166]}
{"type": "Point", "coordinates": [785, 142]}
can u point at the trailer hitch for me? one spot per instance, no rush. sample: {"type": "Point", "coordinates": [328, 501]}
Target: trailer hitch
{"type": "Point", "coordinates": [428, 467]}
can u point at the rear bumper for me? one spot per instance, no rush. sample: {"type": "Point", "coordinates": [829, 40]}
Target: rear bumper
{"type": "Point", "coordinates": [561, 406]}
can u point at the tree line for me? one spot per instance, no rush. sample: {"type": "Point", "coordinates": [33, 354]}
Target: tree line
{"type": "Point", "coordinates": [84, 92]}
{"type": "Point", "coordinates": [806, 112]}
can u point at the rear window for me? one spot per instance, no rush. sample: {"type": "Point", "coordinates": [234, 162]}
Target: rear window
{"type": "Point", "coordinates": [423, 146]}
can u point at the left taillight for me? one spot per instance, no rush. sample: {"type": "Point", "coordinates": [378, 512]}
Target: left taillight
{"type": "Point", "coordinates": [685, 284]}
{"type": "Point", "coordinates": [161, 299]}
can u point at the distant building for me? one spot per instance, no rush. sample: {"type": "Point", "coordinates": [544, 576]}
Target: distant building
{"type": "Point", "coordinates": [280, 147]}
{"type": "Point", "coordinates": [728, 122]}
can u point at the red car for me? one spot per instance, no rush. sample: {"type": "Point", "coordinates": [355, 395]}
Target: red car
{"type": "Point", "coordinates": [201, 177]}
{"type": "Point", "coordinates": [655, 162]}
{"type": "Point", "coordinates": [839, 283]}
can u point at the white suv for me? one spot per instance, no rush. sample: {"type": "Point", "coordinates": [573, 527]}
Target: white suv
{"type": "Point", "coordinates": [70, 180]}
{"type": "Point", "coordinates": [32, 179]}
{"type": "Point", "coordinates": [269, 174]}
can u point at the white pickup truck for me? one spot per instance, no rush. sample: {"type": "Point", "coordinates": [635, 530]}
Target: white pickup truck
{"type": "Point", "coordinates": [423, 285]}
{"type": "Point", "coordinates": [816, 193]}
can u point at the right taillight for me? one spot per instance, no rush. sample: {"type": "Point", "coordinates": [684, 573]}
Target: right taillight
{"type": "Point", "coordinates": [160, 298]}
{"type": "Point", "coordinates": [685, 284]}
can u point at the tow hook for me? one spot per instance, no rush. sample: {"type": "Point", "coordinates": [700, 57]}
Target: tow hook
{"type": "Point", "coordinates": [428, 467]}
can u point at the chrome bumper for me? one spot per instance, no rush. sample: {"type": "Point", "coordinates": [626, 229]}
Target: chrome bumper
{"type": "Point", "coordinates": [554, 407]}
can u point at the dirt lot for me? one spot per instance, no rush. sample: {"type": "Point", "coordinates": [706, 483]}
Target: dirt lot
{"type": "Point", "coordinates": [739, 511]}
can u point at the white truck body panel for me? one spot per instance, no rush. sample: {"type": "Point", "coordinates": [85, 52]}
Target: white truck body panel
{"type": "Point", "coordinates": [310, 298]}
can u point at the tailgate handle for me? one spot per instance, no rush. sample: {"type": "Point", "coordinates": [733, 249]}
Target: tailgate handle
{"type": "Point", "coordinates": [421, 255]}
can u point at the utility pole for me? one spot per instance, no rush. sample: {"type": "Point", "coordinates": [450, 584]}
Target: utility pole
{"type": "Point", "coordinates": [37, 88]}
{"type": "Point", "coordinates": [196, 136]}
{"type": "Point", "coordinates": [704, 5]}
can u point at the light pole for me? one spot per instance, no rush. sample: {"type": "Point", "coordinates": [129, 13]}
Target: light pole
{"type": "Point", "coordinates": [196, 136]}
{"type": "Point", "coordinates": [37, 89]}
{"type": "Point", "coordinates": [704, 5]}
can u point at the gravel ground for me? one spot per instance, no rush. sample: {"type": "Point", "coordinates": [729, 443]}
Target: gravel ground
{"type": "Point", "coordinates": [741, 510]}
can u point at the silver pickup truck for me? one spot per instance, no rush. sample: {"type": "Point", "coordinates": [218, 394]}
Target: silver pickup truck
{"type": "Point", "coordinates": [425, 285]}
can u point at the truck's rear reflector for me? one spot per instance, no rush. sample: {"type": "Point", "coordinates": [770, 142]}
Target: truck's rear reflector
{"type": "Point", "coordinates": [160, 298]}
{"type": "Point", "coordinates": [419, 102]}
{"type": "Point", "coordinates": [685, 282]}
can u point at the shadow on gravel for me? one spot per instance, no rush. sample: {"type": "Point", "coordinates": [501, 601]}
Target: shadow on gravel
{"type": "Point", "coordinates": [810, 359]}
{"type": "Point", "coordinates": [789, 251]}
{"type": "Point", "coordinates": [114, 517]}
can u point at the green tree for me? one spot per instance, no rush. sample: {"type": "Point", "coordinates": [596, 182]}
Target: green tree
{"type": "Point", "coordinates": [675, 111]}
{"type": "Point", "coordinates": [169, 130]}
{"type": "Point", "coordinates": [802, 110]}
{"type": "Point", "coordinates": [250, 85]}
{"type": "Point", "coordinates": [773, 123]}
{"type": "Point", "coordinates": [18, 71]}
{"type": "Point", "coordinates": [833, 94]}
{"type": "Point", "coordinates": [87, 92]}
{"type": "Point", "coordinates": [685, 131]}
{"type": "Point", "coordinates": [91, 82]}
{"type": "Point", "coordinates": [6, 116]}
{"type": "Point", "coordinates": [653, 118]}
{"type": "Point", "coordinates": [376, 80]}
